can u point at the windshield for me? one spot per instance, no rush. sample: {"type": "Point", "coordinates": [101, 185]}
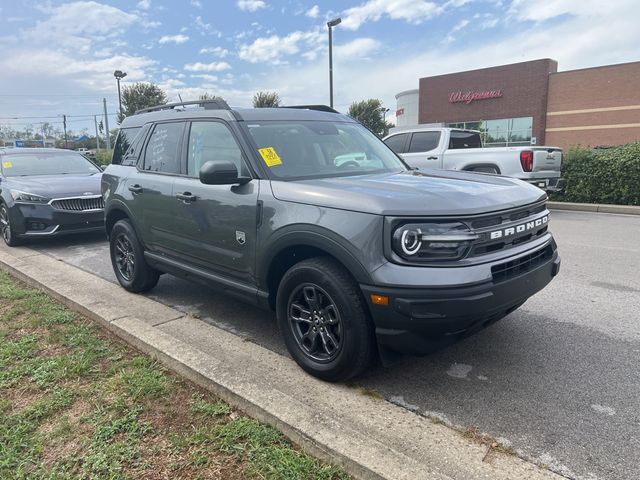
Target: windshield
{"type": "Point", "coordinates": [315, 149]}
{"type": "Point", "coordinates": [46, 163]}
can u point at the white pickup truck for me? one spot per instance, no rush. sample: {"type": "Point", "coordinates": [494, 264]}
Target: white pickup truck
{"type": "Point", "coordinates": [457, 149]}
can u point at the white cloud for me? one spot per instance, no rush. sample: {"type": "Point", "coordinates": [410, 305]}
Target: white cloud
{"type": "Point", "coordinates": [360, 47]}
{"type": "Point", "coordinates": [207, 67]}
{"type": "Point", "coordinates": [462, 24]}
{"type": "Point", "coordinates": [177, 39]}
{"type": "Point", "coordinates": [313, 12]}
{"type": "Point", "coordinates": [272, 49]}
{"type": "Point", "coordinates": [76, 25]}
{"type": "Point", "coordinates": [251, 5]}
{"type": "Point", "coordinates": [217, 51]}
{"type": "Point", "coordinates": [206, 76]}
{"type": "Point", "coordinates": [195, 3]}
{"type": "Point", "coordinates": [412, 11]}
{"type": "Point", "coordinates": [525, 10]}
{"type": "Point", "coordinates": [144, 4]}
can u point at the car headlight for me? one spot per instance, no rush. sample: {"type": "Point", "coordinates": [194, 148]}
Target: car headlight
{"type": "Point", "coordinates": [424, 242]}
{"type": "Point", "coordinates": [20, 196]}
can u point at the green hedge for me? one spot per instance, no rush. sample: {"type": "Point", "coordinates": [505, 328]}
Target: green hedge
{"type": "Point", "coordinates": [608, 176]}
{"type": "Point", "coordinates": [103, 157]}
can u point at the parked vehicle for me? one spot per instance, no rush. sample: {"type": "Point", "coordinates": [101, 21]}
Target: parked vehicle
{"type": "Point", "coordinates": [90, 154]}
{"type": "Point", "coordinates": [47, 192]}
{"type": "Point", "coordinates": [457, 149]}
{"type": "Point", "coordinates": [306, 212]}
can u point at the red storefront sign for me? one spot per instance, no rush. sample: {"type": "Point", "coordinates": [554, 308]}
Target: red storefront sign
{"type": "Point", "coordinates": [470, 96]}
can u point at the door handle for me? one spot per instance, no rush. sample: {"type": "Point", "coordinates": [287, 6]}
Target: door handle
{"type": "Point", "coordinates": [432, 158]}
{"type": "Point", "coordinates": [135, 188]}
{"type": "Point", "coordinates": [186, 197]}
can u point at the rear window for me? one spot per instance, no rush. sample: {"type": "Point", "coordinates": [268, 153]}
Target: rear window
{"type": "Point", "coordinates": [122, 154]}
{"type": "Point", "coordinates": [460, 139]}
{"type": "Point", "coordinates": [45, 163]}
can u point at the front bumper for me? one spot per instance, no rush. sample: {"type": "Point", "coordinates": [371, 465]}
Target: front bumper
{"type": "Point", "coordinates": [421, 320]}
{"type": "Point", "coordinates": [42, 220]}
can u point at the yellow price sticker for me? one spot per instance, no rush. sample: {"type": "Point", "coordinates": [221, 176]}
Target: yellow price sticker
{"type": "Point", "coordinates": [7, 164]}
{"type": "Point", "coordinates": [270, 156]}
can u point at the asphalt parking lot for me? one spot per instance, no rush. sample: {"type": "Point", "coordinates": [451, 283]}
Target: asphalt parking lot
{"type": "Point", "coordinates": [558, 380]}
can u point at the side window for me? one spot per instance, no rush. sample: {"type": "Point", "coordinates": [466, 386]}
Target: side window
{"type": "Point", "coordinates": [124, 142]}
{"type": "Point", "coordinates": [397, 142]}
{"type": "Point", "coordinates": [163, 149]}
{"type": "Point", "coordinates": [424, 141]}
{"type": "Point", "coordinates": [461, 140]}
{"type": "Point", "coordinates": [212, 141]}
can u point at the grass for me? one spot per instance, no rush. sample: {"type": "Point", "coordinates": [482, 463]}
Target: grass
{"type": "Point", "coordinates": [77, 403]}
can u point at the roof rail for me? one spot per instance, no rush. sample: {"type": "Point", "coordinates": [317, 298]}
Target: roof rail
{"type": "Point", "coordinates": [207, 104]}
{"type": "Point", "coordinates": [319, 108]}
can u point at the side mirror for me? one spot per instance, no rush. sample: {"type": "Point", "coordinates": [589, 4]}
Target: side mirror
{"type": "Point", "coordinates": [221, 172]}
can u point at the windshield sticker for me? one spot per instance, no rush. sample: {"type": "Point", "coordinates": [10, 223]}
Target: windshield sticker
{"type": "Point", "coordinates": [7, 164]}
{"type": "Point", "coordinates": [270, 156]}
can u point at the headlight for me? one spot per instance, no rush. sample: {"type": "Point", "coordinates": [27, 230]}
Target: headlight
{"type": "Point", "coordinates": [424, 242]}
{"type": "Point", "coordinates": [20, 196]}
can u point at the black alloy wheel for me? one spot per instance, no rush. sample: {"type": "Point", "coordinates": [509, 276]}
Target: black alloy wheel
{"type": "Point", "coordinates": [5, 228]}
{"type": "Point", "coordinates": [124, 257]}
{"type": "Point", "coordinates": [127, 259]}
{"type": "Point", "coordinates": [324, 320]}
{"type": "Point", "coordinates": [315, 322]}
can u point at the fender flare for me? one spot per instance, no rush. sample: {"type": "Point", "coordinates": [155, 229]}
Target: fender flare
{"type": "Point", "coordinates": [311, 236]}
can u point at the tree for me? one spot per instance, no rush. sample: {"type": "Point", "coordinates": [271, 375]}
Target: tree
{"type": "Point", "coordinates": [209, 96]}
{"type": "Point", "coordinates": [266, 100]}
{"type": "Point", "coordinates": [140, 95]}
{"type": "Point", "coordinates": [370, 113]}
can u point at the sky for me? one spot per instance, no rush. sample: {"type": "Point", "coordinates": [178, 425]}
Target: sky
{"type": "Point", "coordinates": [58, 57]}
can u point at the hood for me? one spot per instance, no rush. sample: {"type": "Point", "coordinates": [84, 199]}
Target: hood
{"type": "Point", "coordinates": [412, 193]}
{"type": "Point", "coordinates": [57, 186]}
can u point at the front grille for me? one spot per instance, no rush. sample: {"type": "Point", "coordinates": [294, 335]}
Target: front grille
{"type": "Point", "coordinates": [508, 270]}
{"type": "Point", "coordinates": [507, 217]}
{"type": "Point", "coordinates": [80, 204]}
{"type": "Point", "coordinates": [485, 225]}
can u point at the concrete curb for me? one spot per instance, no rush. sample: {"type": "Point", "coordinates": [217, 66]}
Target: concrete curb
{"type": "Point", "coordinates": [370, 438]}
{"type": "Point", "coordinates": [594, 207]}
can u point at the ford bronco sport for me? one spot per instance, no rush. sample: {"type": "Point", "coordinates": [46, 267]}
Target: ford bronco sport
{"type": "Point", "coordinates": [304, 211]}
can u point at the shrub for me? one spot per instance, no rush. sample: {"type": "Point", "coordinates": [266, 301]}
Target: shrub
{"type": "Point", "coordinates": [608, 176]}
{"type": "Point", "coordinates": [103, 157]}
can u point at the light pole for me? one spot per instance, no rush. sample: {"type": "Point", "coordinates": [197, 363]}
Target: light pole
{"type": "Point", "coordinates": [119, 74]}
{"type": "Point", "coordinates": [331, 24]}
{"type": "Point", "coordinates": [384, 114]}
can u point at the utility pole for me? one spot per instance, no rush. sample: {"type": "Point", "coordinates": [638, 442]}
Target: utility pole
{"type": "Point", "coordinates": [64, 123]}
{"type": "Point", "coordinates": [106, 123]}
{"type": "Point", "coordinates": [95, 122]}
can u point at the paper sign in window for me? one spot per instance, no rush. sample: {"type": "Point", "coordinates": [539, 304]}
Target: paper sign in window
{"type": "Point", "coordinates": [270, 156]}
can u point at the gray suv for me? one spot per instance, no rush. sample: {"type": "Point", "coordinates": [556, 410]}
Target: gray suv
{"type": "Point", "coordinates": [305, 212]}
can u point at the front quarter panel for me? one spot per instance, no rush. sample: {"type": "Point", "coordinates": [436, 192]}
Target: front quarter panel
{"type": "Point", "coordinates": [354, 239]}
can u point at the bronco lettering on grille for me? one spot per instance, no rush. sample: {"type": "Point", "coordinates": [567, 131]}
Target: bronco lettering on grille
{"type": "Point", "coordinates": [523, 227]}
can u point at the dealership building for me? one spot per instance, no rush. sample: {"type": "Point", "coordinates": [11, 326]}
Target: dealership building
{"type": "Point", "coordinates": [532, 103]}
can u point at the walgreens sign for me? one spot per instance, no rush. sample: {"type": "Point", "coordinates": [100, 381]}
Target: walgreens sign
{"type": "Point", "coordinates": [470, 96]}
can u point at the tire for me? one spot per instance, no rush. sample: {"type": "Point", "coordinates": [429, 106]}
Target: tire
{"type": "Point", "coordinates": [5, 227]}
{"type": "Point", "coordinates": [342, 344]}
{"type": "Point", "coordinates": [127, 259]}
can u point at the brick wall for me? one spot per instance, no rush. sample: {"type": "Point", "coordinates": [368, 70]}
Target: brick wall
{"type": "Point", "coordinates": [594, 106]}
{"type": "Point", "coordinates": [524, 94]}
